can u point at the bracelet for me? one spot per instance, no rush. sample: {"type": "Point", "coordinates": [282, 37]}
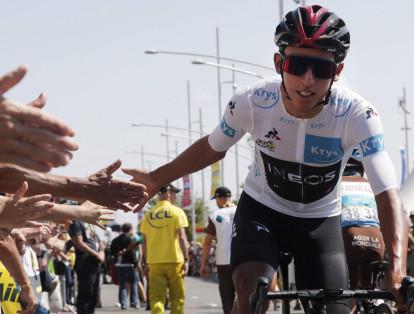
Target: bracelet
{"type": "Point", "coordinates": [25, 285]}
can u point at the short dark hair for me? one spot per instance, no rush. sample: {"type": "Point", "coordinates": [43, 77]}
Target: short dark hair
{"type": "Point", "coordinates": [126, 227]}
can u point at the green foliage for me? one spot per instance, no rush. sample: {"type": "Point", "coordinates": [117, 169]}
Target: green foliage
{"type": "Point", "coordinates": [200, 211]}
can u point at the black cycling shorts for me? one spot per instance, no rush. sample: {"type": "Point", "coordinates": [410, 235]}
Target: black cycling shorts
{"type": "Point", "coordinates": [261, 233]}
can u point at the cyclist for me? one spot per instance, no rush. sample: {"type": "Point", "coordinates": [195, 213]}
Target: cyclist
{"type": "Point", "coordinates": [304, 130]}
{"type": "Point", "coordinates": [360, 225]}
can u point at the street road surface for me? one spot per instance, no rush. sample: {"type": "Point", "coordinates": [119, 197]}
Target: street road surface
{"type": "Point", "coordinates": [202, 297]}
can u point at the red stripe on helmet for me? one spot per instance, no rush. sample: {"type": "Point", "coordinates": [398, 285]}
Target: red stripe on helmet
{"type": "Point", "coordinates": [301, 31]}
{"type": "Point", "coordinates": [314, 17]}
{"type": "Point", "coordinates": [321, 30]}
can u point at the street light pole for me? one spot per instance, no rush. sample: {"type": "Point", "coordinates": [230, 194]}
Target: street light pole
{"type": "Point", "coordinates": [406, 128]}
{"type": "Point", "coordinates": [236, 147]}
{"type": "Point", "coordinates": [192, 203]}
{"type": "Point", "coordinates": [281, 9]}
{"type": "Point", "coordinates": [202, 170]}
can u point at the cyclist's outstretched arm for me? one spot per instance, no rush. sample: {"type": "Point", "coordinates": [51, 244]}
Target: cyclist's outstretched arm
{"type": "Point", "coordinates": [196, 157]}
{"type": "Point", "coordinates": [394, 227]}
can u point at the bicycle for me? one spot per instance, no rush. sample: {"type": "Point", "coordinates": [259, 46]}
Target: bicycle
{"type": "Point", "coordinates": [323, 296]}
{"type": "Point", "coordinates": [378, 269]}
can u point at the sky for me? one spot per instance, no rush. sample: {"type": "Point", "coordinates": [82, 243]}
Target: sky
{"type": "Point", "coordinates": [88, 56]}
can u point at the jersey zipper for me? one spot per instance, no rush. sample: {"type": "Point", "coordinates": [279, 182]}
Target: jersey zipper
{"type": "Point", "coordinates": [300, 150]}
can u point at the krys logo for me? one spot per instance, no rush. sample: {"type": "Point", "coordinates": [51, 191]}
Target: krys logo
{"type": "Point", "coordinates": [339, 106]}
{"type": "Point", "coordinates": [322, 150]}
{"type": "Point", "coordinates": [372, 145]}
{"type": "Point", "coordinates": [264, 98]}
{"type": "Point", "coordinates": [227, 129]}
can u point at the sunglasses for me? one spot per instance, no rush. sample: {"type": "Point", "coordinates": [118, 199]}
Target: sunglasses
{"type": "Point", "coordinates": [298, 65]}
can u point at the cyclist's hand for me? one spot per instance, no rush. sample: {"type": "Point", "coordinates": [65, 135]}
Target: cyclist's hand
{"type": "Point", "coordinates": [143, 177]}
{"type": "Point", "coordinates": [393, 284]}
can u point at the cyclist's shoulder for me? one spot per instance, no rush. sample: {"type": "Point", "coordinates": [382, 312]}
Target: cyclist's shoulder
{"type": "Point", "coordinates": [344, 101]}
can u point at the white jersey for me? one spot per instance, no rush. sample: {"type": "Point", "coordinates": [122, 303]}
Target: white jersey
{"type": "Point", "coordinates": [358, 205]}
{"type": "Point", "coordinates": [223, 224]}
{"type": "Point", "coordinates": [298, 162]}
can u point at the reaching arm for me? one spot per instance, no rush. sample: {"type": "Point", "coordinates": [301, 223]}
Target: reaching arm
{"type": "Point", "coordinates": [29, 136]}
{"type": "Point", "coordinates": [87, 212]}
{"type": "Point", "coordinates": [100, 187]}
{"type": "Point", "coordinates": [198, 156]}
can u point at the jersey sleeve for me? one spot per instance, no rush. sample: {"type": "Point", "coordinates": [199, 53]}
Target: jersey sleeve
{"type": "Point", "coordinates": [211, 228]}
{"type": "Point", "coordinates": [181, 219]}
{"type": "Point", "coordinates": [236, 121]}
{"type": "Point", "coordinates": [365, 131]}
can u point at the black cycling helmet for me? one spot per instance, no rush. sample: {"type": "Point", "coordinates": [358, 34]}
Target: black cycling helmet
{"type": "Point", "coordinates": [354, 165]}
{"type": "Point", "coordinates": [314, 27]}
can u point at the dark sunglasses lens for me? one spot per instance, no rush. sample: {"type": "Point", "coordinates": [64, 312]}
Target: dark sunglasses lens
{"type": "Point", "coordinates": [323, 69]}
{"type": "Point", "coordinates": [297, 65]}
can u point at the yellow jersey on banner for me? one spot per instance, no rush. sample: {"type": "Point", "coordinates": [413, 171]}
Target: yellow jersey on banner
{"type": "Point", "coordinates": [215, 177]}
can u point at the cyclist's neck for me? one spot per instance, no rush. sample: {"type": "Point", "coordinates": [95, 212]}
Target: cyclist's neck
{"type": "Point", "coordinates": [299, 111]}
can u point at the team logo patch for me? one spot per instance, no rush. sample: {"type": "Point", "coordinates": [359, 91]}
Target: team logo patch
{"type": "Point", "coordinates": [231, 105]}
{"type": "Point", "coordinates": [269, 141]}
{"type": "Point", "coordinates": [298, 182]}
{"type": "Point", "coordinates": [265, 98]}
{"type": "Point", "coordinates": [372, 145]}
{"type": "Point", "coordinates": [272, 134]}
{"type": "Point", "coordinates": [270, 145]}
{"type": "Point", "coordinates": [322, 150]}
{"type": "Point", "coordinates": [371, 113]}
{"type": "Point", "coordinates": [339, 107]}
{"type": "Point", "coordinates": [227, 129]}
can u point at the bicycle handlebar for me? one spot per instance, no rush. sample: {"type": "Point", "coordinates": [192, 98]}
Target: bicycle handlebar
{"type": "Point", "coordinates": [261, 294]}
{"type": "Point", "coordinates": [329, 295]}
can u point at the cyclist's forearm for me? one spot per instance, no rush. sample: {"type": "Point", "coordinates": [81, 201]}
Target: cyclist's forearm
{"type": "Point", "coordinates": [198, 156]}
{"type": "Point", "coordinates": [394, 227]}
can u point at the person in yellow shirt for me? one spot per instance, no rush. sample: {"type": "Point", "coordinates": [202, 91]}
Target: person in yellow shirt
{"type": "Point", "coordinates": [165, 252]}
